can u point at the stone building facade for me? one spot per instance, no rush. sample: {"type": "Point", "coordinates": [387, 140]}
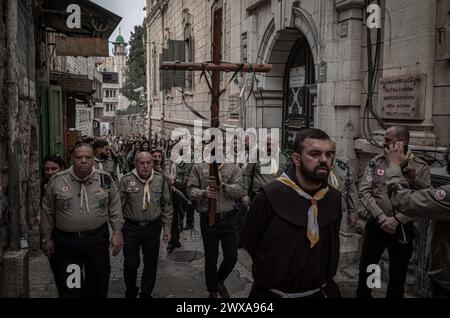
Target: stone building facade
{"type": "Point", "coordinates": [318, 49]}
{"type": "Point", "coordinates": [321, 70]}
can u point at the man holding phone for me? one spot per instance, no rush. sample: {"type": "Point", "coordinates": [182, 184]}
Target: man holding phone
{"type": "Point", "coordinates": [430, 203]}
{"type": "Point", "coordinates": [385, 229]}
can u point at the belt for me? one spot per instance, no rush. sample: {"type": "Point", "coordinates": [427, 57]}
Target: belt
{"type": "Point", "coordinates": [222, 215]}
{"type": "Point", "coordinates": [82, 233]}
{"type": "Point", "coordinates": [300, 295]}
{"type": "Point", "coordinates": [139, 223]}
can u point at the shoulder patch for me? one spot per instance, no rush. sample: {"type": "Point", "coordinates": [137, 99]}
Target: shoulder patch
{"type": "Point", "coordinates": [440, 195]}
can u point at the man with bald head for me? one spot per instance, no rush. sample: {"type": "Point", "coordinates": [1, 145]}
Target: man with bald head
{"type": "Point", "coordinates": [387, 228]}
{"type": "Point", "coordinates": [77, 206]}
{"type": "Point", "coordinates": [146, 208]}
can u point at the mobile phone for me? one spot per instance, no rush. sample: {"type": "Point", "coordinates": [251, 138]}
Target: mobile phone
{"type": "Point", "coordinates": [405, 149]}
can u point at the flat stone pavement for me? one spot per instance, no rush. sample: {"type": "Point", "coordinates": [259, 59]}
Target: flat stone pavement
{"type": "Point", "coordinates": [181, 273]}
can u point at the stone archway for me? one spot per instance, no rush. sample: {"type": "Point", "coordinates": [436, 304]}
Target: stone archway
{"type": "Point", "coordinates": [276, 48]}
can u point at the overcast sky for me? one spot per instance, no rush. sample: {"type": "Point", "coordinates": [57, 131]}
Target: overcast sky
{"type": "Point", "coordinates": [131, 13]}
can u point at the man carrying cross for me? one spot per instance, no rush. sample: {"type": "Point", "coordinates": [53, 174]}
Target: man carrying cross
{"type": "Point", "coordinates": [223, 184]}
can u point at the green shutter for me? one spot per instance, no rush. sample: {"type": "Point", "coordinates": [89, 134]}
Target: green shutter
{"type": "Point", "coordinates": [164, 76]}
{"type": "Point", "coordinates": [55, 120]}
{"type": "Point", "coordinates": [177, 54]}
{"type": "Point", "coordinates": [44, 147]}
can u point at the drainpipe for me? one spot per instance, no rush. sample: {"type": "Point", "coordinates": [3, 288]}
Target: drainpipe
{"type": "Point", "coordinates": [14, 149]}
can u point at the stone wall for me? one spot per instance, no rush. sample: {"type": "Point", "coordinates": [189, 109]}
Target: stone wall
{"type": "Point", "coordinates": [172, 108]}
{"type": "Point", "coordinates": [13, 278]}
{"type": "Point", "coordinates": [3, 134]}
{"type": "Point", "coordinates": [129, 124]}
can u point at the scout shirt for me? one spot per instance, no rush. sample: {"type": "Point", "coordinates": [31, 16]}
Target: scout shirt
{"type": "Point", "coordinates": [231, 187]}
{"type": "Point", "coordinates": [72, 205]}
{"type": "Point", "coordinates": [179, 174]}
{"type": "Point", "coordinates": [107, 165]}
{"type": "Point", "coordinates": [431, 204]}
{"type": "Point", "coordinates": [373, 188]}
{"type": "Point", "coordinates": [254, 179]}
{"type": "Point", "coordinates": [132, 188]}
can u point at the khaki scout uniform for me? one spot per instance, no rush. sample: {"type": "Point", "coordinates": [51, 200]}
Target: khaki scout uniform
{"type": "Point", "coordinates": [431, 204]}
{"type": "Point", "coordinates": [64, 207]}
{"type": "Point", "coordinates": [145, 205]}
{"type": "Point", "coordinates": [374, 197]}
{"type": "Point", "coordinates": [131, 188]}
{"type": "Point", "coordinates": [231, 187]}
{"type": "Point", "coordinates": [254, 178]}
{"type": "Point", "coordinates": [107, 165]}
{"type": "Point", "coordinates": [225, 227]}
{"type": "Point", "coordinates": [373, 187]}
{"type": "Point", "coordinates": [75, 214]}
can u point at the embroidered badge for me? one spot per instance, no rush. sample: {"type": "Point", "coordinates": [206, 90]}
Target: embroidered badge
{"type": "Point", "coordinates": [102, 203]}
{"type": "Point", "coordinates": [66, 204]}
{"type": "Point", "coordinates": [380, 172]}
{"type": "Point", "coordinates": [136, 189]}
{"type": "Point", "coordinates": [65, 189]}
{"type": "Point", "coordinates": [440, 195]}
{"type": "Point", "coordinates": [133, 183]}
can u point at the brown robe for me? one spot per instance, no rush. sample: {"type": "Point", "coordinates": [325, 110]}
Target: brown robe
{"type": "Point", "coordinates": [274, 234]}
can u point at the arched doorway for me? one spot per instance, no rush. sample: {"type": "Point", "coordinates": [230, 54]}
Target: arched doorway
{"type": "Point", "coordinates": [286, 95]}
{"type": "Point", "coordinates": [299, 77]}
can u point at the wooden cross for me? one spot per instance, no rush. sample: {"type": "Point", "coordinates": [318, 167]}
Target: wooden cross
{"type": "Point", "coordinates": [216, 67]}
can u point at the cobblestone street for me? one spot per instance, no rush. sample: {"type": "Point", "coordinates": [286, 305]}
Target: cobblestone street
{"type": "Point", "coordinates": [181, 273]}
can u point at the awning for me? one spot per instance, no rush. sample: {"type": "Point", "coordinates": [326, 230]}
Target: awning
{"type": "Point", "coordinates": [96, 21]}
{"type": "Point", "coordinates": [76, 86]}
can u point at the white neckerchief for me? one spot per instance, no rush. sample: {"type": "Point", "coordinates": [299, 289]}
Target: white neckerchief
{"type": "Point", "coordinates": [146, 198]}
{"type": "Point", "coordinates": [83, 192]}
{"type": "Point", "coordinates": [99, 161]}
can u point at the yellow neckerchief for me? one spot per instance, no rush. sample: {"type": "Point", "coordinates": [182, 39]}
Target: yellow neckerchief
{"type": "Point", "coordinates": [173, 172]}
{"type": "Point", "coordinates": [333, 180]}
{"type": "Point", "coordinates": [100, 165]}
{"type": "Point", "coordinates": [313, 227]}
{"type": "Point", "coordinates": [146, 198]}
{"type": "Point", "coordinates": [219, 169]}
{"type": "Point", "coordinates": [83, 191]}
{"type": "Point", "coordinates": [409, 157]}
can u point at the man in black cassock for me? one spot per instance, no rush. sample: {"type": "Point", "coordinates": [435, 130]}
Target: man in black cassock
{"type": "Point", "coordinates": [292, 229]}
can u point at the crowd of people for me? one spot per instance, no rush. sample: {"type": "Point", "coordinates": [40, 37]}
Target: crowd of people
{"type": "Point", "coordinates": [288, 220]}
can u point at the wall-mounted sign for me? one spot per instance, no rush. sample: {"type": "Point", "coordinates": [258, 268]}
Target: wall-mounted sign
{"type": "Point", "coordinates": [78, 46]}
{"type": "Point", "coordinates": [403, 97]}
{"type": "Point", "coordinates": [297, 76]}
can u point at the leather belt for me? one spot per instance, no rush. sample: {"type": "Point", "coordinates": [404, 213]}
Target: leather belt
{"type": "Point", "coordinates": [82, 233]}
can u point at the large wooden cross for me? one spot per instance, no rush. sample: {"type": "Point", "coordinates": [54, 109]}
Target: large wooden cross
{"type": "Point", "coordinates": [216, 67]}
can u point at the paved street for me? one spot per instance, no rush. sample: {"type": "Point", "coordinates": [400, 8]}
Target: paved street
{"type": "Point", "coordinates": [180, 274]}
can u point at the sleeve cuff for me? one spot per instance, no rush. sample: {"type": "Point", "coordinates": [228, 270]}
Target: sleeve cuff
{"type": "Point", "coordinates": [167, 228]}
{"type": "Point", "coordinates": [394, 171]}
{"type": "Point", "coordinates": [116, 226]}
